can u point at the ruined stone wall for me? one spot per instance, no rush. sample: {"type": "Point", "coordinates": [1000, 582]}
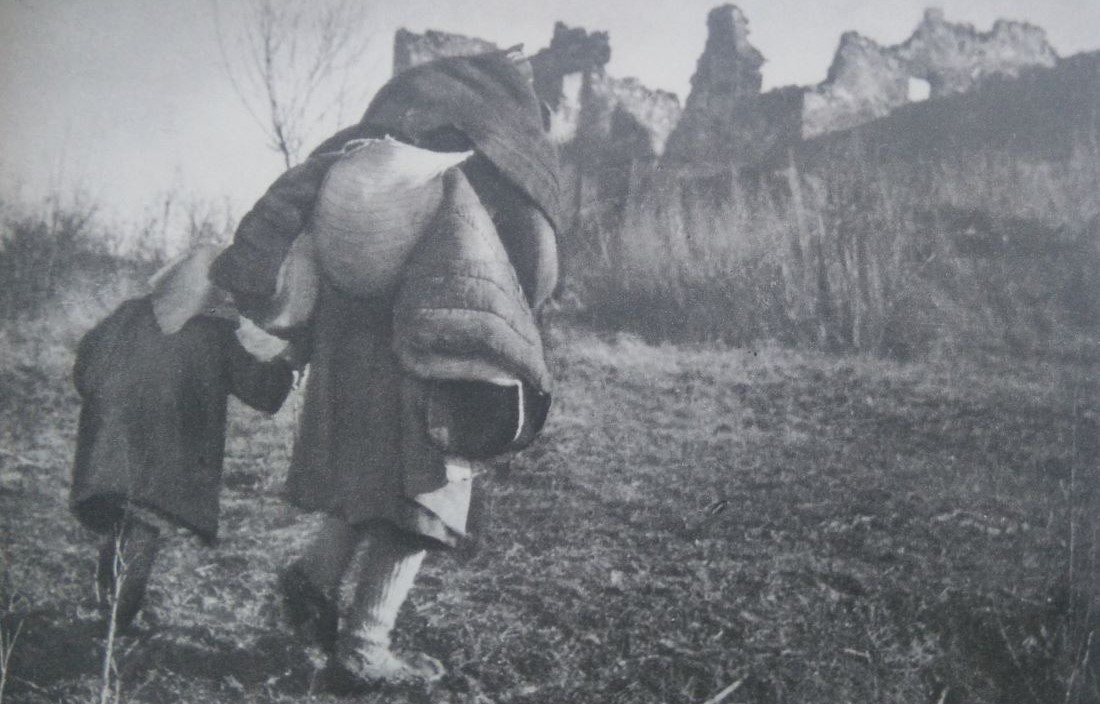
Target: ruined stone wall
{"type": "Point", "coordinates": [410, 49]}
{"type": "Point", "coordinates": [653, 112]}
{"type": "Point", "coordinates": [728, 123]}
{"type": "Point", "coordinates": [607, 127]}
{"type": "Point", "coordinates": [715, 130]}
{"type": "Point", "coordinates": [955, 57]}
{"type": "Point", "coordinates": [613, 132]}
{"type": "Point", "coordinates": [568, 71]}
{"type": "Point", "coordinates": [867, 81]}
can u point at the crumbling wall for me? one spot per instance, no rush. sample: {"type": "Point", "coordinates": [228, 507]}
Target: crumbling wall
{"type": "Point", "coordinates": [410, 49]}
{"type": "Point", "coordinates": [867, 81]}
{"type": "Point", "coordinates": [715, 130]}
{"type": "Point", "coordinates": [654, 112]}
{"type": "Point", "coordinates": [608, 128]}
{"type": "Point", "coordinates": [953, 58]}
{"type": "Point", "coordinates": [728, 123]}
{"type": "Point", "coordinates": [573, 51]}
{"type": "Point", "coordinates": [613, 132]}
{"type": "Point", "coordinates": [568, 71]}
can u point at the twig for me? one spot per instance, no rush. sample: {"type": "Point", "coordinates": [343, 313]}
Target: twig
{"type": "Point", "coordinates": [721, 696]}
{"type": "Point", "coordinates": [17, 457]}
{"type": "Point", "coordinates": [7, 645]}
{"type": "Point", "coordinates": [30, 685]}
{"type": "Point", "coordinates": [118, 568]}
{"type": "Point", "coordinates": [144, 683]}
{"type": "Point", "coordinates": [857, 654]}
{"type": "Point", "coordinates": [1079, 666]}
{"type": "Point", "coordinates": [1015, 658]}
{"type": "Point", "coordinates": [1073, 490]}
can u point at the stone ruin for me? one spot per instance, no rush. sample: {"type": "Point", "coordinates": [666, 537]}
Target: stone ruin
{"type": "Point", "coordinates": [728, 121]}
{"type": "Point", "coordinates": [615, 131]}
{"type": "Point", "coordinates": [568, 73]}
{"type": "Point", "coordinates": [608, 128]}
{"type": "Point", "coordinates": [411, 49]}
{"type": "Point", "coordinates": [867, 81]}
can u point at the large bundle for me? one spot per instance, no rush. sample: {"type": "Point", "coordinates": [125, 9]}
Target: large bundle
{"type": "Point", "coordinates": [461, 313]}
{"type": "Point", "coordinates": [484, 98]}
{"type": "Point", "coordinates": [375, 204]}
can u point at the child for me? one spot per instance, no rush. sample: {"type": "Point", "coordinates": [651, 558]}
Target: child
{"type": "Point", "coordinates": [154, 378]}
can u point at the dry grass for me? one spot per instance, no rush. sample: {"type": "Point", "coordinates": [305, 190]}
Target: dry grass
{"type": "Point", "coordinates": [818, 528]}
{"type": "Point", "coordinates": [850, 250]}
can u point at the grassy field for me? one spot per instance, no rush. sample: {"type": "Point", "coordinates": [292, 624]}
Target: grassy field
{"type": "Point", "coordinates": [807, 528]}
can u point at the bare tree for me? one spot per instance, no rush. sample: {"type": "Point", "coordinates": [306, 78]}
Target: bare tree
{"type": "Point", "coordinates": [289, 62]}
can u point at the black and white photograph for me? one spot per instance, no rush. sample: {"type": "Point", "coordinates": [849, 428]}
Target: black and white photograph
{"type": "Point", "coordinates": [550, 352]}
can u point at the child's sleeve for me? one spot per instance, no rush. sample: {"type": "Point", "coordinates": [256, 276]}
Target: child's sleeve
{"type": "Point", "coordinates": [262, 385]}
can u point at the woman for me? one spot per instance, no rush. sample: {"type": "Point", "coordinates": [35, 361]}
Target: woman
{"type": "Point", "coordinates": [395, 423]}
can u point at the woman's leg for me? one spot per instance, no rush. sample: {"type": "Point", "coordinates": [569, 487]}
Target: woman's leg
{"type": "Point", "coordinates": [311, 585]}
{"type": "Point", "coordinates": [386, 574]}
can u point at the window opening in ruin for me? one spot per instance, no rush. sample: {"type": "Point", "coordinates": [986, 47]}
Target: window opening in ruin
{"type": "Point", "coordinates": [919, 89]}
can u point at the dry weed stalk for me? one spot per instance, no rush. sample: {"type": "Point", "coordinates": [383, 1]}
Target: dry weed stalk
{"type": "Point", "coordinates": [1081, 570]}
{"type": "Point", "coordinates": [8, 637]}
{"type": "Point", "coordinates": [111, 688]}
{"type": "Point", "coordinates": [1079, 666]}
{"type": "Point", "coordinates": [865, 256]}
{"type": "Point", "coordinates": [725, 693]}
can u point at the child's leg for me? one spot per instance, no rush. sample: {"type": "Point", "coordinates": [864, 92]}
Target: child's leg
{"type": "Point", "coordinates": [125, 564]}
{"type": "Point", "coordinates": [386, 573]}
{"type": "Point", "coordinates": [310, 586]}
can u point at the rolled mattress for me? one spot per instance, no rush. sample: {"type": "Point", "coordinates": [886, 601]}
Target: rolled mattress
{"type": "Point", "coordinates": [374, 206]}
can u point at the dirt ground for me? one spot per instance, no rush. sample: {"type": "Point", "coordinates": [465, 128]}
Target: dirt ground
{"type": "Point", "coordinates": [759, 525]}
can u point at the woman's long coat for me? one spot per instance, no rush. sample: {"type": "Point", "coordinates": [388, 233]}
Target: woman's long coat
{"type": "Point", "coordinates": [152, 421]}
{"type": "Point", "coordinates": [363, 451]}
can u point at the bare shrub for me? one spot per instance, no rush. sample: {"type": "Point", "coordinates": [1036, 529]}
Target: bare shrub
{"type": "Point", "coordinates": [38, 251]}
{"type": "Point", "coordinates": [58, 255]}
{"type": "Point", "coordinates": [291, 64]}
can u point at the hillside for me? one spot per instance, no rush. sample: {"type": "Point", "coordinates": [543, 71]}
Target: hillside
{"type": "Point", "coordinates": [826, 419]}
{"type": "Point", "coordinates": [815, 529]}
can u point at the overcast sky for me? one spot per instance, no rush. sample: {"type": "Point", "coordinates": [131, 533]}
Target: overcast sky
{"type": "Point", "coordinates": [126, 100]}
